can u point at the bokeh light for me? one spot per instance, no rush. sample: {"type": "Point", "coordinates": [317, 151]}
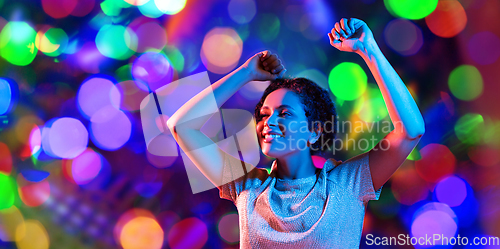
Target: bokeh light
{"type": "Point", "coordinates": [149, 9]}
{"type": "Point", "coordinates": [17, 43]}
{"type": "Point", "coordinates": [253, 90]}
{"type": "Point", "coordinates": [467, 211]}
{"type": "Point", "coordinates": [113, 8]}
{"type": "Point", "coordinates": [170, 7]}
{"type": "Point", "coordinates": [5, 96]}
{"type": "Point", "coordinates": [269, 26]}
{"type": "Point", "coordinates": [484, 47]}
{"type": "Point", "coordinates": [451, 191]}
{"type": "Point", "coordinates": [116, 41]}
{"type": "Point", "coordinates": [411, 9]}
{"type": "Point", "coordinates": [188, 233]}
{"type": "Point", "coordinates": [469, 128]}
{"type": "Point", "coordinates": [141, 232]}
{"type": "Point", "coordinates": [228, 228]}
{"type": "Point", "coordinates": [89, 58]}
{"type": "Point", "coordinates": [318, 161]}
{"type": "Point", "coordinates": [466, 82]}
{"type": "Point", "coordinates": [371, 105]}
{"type": "Point", "coordinates": [434, 218]}
{"type": "Point", "coordinates": [403, 36]}
{"type": "Point", "coordinates": [316, 76]}
{"type": "Point", "coordinates": [33, 194]}
{"type": "Point", "coordinates": [64, 138]}
{"type": "Point", "coordinates": [85, 167]}
{"type": "Point", "coordinates": [148, 189]}
{"type": "Point", "coordinates": [32, 236]}
{"type": "Point", "coordinates": [176, 58]}
{"type": "Point", "coordinates": [52, 42]}
{"type": "Point", "coordinates": [448, 19]}
{"type": "Point", "coordinates": [96, 93]}
{"type": "Point", "coordinates": [24, 126]}
{"type": "Point", "coordinates": [83, 8]}
{"type": "Point", "coordinates": [7, 191]}
{"type": "Point", "coordinates": [347, 81]}
{"type": "Point", "coordinates": [137, 2]}
{"type": "Point", "coordinates": [34, 175]}
{"type": "Point", "coordinates": [110, 128]}
{"type": "Point", "coordinates": [12, 219]}
{"type": "Point", "coordinates": [437, 162]}
{"type": "Point", "coordinates": [152, 70]}
{"type": "Point", "coordinates": [492, 133]}
{"type": "Point", "coordinates": [221, 50]}
{"type": "Point", "coordinates": [35, 141]}
{"type": "Point", "coordinates": [59, 8]}
{"type": "Point", "coordinates": [5, 159]}
{"type": "Point", "coordinates": [242, 11]}
{"type": "Point", "coordinates": [150, 34]}
{"type": "Point", "coordinates": [131, 94]}
{"type": "Point", "coordinates": [317, 18]}
{"type": "Point", "coordinates": [162, 161]}
{"type": "Point", "coordinates": [484, 155]}
{"type": "Point", "coordinates": [134, 219]}
{"type": "Point", "coordinates": [414, 155]}
{"type": "Point", "coordinates": [407, 186]}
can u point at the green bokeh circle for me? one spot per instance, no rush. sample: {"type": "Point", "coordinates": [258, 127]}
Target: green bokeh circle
{"type": "Point", "coordinates": [57, 36]}
{"type": "Point", "coordinates": [410, 9]}
{"type": "Point", "coordinates": [373, 107]}
{"type": "Point", "coordinates": [466, 82]}
{"type": "Point", "coordinates": [470, 128]}
{"type": "Point", "coordinates": [17, 43]}
{"type": "Point", "coordinates": [116, 41]}
{"type": "Point", "coordinates": [7, 191]}
{"type": "Point", "coordinates": [347, 81]}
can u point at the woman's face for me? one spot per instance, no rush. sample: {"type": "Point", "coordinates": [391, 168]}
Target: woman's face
{"type": "Point", "coordinates": [283, 127]}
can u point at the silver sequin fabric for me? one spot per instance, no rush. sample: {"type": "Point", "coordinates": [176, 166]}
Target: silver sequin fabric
{"type": "Point", "coordinates": [325, 210]}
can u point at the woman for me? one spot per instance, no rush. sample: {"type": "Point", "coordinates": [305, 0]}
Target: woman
{"type": "Point", "coordinates": [298, 205]}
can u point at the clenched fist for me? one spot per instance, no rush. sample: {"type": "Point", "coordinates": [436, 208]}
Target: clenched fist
{"type": "Point", "coordinates": [265, 66]}
{"type": "Point", "coordinates": [351, 35]}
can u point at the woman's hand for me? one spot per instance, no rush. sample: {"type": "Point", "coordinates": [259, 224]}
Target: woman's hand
{"type": "Point", "coordinates": [351, 35]}
{"type": "Point", "coordinates": [264, 66]}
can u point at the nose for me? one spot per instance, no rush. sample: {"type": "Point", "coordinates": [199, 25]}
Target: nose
{"type": "Point", "coordinates": [271, 121]}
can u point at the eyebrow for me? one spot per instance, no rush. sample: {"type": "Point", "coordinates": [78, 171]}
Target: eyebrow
{"type": "Point", "coordinates": [279, 107]}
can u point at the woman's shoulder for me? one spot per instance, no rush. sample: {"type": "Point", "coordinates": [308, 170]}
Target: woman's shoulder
{"type": "Point", "coordinates": [339, 169]}
{"type": "Point", "coordinates": [331, 164]}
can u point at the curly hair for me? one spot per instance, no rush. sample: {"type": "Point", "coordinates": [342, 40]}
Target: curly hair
{"type": "Point", "coordinates": [318, 106]}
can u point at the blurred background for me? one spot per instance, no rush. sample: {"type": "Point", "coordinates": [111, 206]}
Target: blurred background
{"type": "Point", "coordinates": [74, 168]}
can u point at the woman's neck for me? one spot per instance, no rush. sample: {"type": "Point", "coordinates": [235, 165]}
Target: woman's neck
{"type": "Point", "coordinates": [295, 166]}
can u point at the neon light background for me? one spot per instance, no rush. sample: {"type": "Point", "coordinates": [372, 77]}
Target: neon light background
{"type": "Point", "coordinates": [74, 169]}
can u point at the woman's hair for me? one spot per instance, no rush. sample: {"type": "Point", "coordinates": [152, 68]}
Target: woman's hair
{"type": "Point", "coordinates": [318, 106]}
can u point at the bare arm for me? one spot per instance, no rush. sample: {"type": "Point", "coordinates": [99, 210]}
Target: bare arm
{"type": "Point", "coordinates": [185, 123]}
{"type": "Point", "coordinates": [353, 35]}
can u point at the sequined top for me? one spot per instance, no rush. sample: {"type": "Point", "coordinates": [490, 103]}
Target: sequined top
{"type": "Point", "coordinates": [325, 210]}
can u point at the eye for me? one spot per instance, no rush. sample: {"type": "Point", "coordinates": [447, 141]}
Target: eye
{"type": "Point", "coordinates": [285, 114]}
{"type": "Point", "coordinates": [261, 116]}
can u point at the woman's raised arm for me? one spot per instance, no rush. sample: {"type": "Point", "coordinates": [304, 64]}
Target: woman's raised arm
{"type": "Point", "coordinates": [185, 123]}
{"type": "Point", "coordinates": [353, 35]}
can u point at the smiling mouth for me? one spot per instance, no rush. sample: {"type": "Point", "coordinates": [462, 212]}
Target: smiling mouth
{"type": "Point", "coordinates": [271, 137]}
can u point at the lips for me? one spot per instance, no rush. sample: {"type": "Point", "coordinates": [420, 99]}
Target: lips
{"type": "Point", "coordinates": [270, 136]}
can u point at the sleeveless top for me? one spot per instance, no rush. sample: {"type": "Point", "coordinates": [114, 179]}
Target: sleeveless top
{"type": "Point", "coordinates": [325, 210]}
